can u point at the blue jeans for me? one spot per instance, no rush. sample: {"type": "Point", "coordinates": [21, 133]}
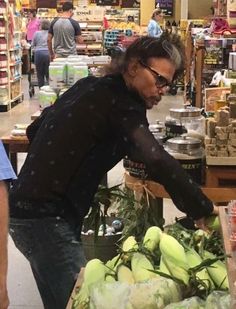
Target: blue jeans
{"type": "Point", "coordinates": [55, 255]}
{"type": "Point", "coordinates": [42, 61]}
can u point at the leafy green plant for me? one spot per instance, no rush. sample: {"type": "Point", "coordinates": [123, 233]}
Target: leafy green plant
{"type": "Point", "coordinates": [136, 215]}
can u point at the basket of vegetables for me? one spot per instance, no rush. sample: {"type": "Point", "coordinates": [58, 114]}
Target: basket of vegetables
{"type": "Point", "coordinates": [170, 269]}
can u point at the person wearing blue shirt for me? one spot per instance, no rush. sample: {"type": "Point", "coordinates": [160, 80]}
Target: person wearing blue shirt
{"type": "Point", "coordinates": [6, 173]}
{"type": "Point", "coordinates": [154, 28]}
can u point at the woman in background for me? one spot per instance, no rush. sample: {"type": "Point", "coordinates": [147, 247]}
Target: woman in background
{"type": "Point", "coordinates": [32, 25]}
{"type": "Point", "coordinates": [41, 53]}
{"type": "Point", "coordinates": [154, 28]}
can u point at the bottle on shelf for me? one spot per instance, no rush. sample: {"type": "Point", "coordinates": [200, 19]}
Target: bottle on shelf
{"type": "Point", "coordinates": [174, 27]}
{"type": "Point", "coordinates": [168, 26]}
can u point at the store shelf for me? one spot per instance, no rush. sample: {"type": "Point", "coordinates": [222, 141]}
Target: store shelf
{"type": "Point", "coordinates": [15, 64]}
{"type": "Point", "coordinates": [20, 96]}
{"type": "Point", "coordinates": [4, 103]}
{"type": "Point", "coordinates": [15, 80]}
{"type": "Point", "coordinates": [15, 49]}
{"type": "Point", "coordinates": [221, 161]}
{"type": "Point", "coordinates": [92, 33]}
{"type": "Point", "coordinates": [12, 90]}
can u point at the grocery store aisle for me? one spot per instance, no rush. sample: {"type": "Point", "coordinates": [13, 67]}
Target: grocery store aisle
{"type": "Point", "coordinates": [23, 292]}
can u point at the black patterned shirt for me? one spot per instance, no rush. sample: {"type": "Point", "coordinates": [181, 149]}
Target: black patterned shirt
{"type": "Point", "coordinates": [89, 129]}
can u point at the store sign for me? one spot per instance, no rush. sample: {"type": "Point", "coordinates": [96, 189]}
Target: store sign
{"type": "Point", "coordinates": [89, 14]}
{"type": "Point", "coordinates": [130, 4]}
{"type": "Point", "coordinates": [167, 6]}
{"type": "Point", "coordinates": [108, 2]}
{"type": "Point", "coordinates": [46, 4]}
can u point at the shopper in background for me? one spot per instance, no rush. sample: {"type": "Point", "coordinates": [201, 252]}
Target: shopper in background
{"type": "Point", "coordinates": [88, 130]}
{"type": "Point", "coordinates": [32, 26]}
{"type": "Point", "coordinates": [6, 173]}
{"type": "Point", "coordinates": [66, 34]}
{"type": "Point", "coordinates": [154, 28]}
{"type": "Point", "coordinates": [41, 53]}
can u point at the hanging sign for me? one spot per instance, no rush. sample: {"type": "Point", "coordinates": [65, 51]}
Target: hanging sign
{"type": "Point", "coordinates": [167, 6]}
{"type": "Point", "coordinates": [130, 4]}
{"type": "Point", "coordinates": [46, 4]}
{"type": "Point", "coordinates": [108, 2]}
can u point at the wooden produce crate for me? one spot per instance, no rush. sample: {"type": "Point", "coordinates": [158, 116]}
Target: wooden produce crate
{"type": "Point", "coordinates": [76, 287]}
{"type": "Point", "coordinates": [231, 263]}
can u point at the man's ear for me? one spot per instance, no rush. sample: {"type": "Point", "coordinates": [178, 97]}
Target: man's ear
{"type": "Point", "coordinates": [133, 67]}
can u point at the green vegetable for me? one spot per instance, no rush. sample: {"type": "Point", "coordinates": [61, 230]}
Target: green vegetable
{"type": "Point", "coordinates": [213, 223]}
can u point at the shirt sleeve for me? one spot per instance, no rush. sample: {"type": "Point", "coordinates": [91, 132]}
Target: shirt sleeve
{"type": "Point", "coordinates": [76, 27]}
{"type": "Point", "coordinates": [131, 124]}
{"type": "Point", "coordinates": [51, 26]}
{"type": "Point", "coordinates": [154, 29]}
{"type": "Point", "coordinates": [6, 170]}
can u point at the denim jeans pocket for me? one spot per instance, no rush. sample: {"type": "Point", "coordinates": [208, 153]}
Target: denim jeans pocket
{"type": "Point", "coordinates": [20, 231]}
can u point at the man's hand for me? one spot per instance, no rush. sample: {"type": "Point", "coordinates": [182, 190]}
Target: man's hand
{"type": "Point", "coordinates": [4, 301]}
{"type": "Point", "coordinates": [201, 224]}
{"type": "Point", "coordinates": [52, 57]}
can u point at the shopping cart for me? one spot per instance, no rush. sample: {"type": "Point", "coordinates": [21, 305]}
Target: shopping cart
{"type": "Point", "coordinates": [32, 74]}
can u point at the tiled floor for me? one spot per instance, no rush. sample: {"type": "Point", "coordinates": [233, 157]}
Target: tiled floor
{"type": "Point", "coordinates": [23, 292]}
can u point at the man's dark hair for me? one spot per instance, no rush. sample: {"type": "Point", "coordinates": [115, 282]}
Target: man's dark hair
{"type": "Point", "coordinates": [167, 46]}
{"type": "Point", "coordinates": [67, 6]}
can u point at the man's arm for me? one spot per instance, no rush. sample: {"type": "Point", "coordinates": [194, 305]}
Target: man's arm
{"type": "Point", "coordinates": [79, 39]}
{"type": "Point", "coordinates": [78, 36]}
{"type": "Point", "coordinates": [4, 302]}
{"type": "Point", "coordinates": [51, 52]}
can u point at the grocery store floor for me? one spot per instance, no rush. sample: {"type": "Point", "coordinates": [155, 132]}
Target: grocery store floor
{"type": "Point", "coordinates": [23, 292]}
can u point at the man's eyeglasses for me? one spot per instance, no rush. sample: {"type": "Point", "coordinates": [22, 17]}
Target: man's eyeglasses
{"type": "Point", "coordinates": [161, 81]}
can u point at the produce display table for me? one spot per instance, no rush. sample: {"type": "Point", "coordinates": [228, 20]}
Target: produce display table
{"type": "Point", "coordinates": [217, 176]}
{"type": "Point", "coordinates": [231, 265]}
{"type": "Point", "coordinates": [13, 146]}
{"type": "Point", "coordinates": [36, 115]}
{"type": "Point", "coordinates": [17, 144]}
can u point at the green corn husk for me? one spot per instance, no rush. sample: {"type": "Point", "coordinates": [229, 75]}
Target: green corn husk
{"type": "Point", "coordinates": [217, 271]}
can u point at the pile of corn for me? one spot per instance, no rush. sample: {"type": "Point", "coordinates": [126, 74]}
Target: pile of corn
{"type": "Point", "coordinates": [132, 280]}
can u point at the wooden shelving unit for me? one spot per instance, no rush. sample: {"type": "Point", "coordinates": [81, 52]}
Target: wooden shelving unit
{"type": "Point", "coordinates": [92, 33]}
{"type": "Point", "coordinates": [204, 69]}
{"type": "Point", "coordinates": [11, 86]}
